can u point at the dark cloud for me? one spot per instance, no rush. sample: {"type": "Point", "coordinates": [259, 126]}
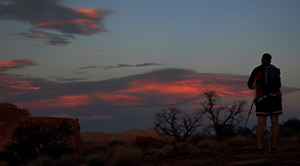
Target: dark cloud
{"type": "Point", "coordinates": [89, 67]}
{"type": "Point", "coordinates": [118, 66]}
{"type": "Point", "coordinates": [62, 79]}
{"type": "Point", "coordinates": [53, 15]}
{"type": "Point", "coordinates": [147, 64]}
{"type": "Point", "coordinates": [84, 118]}
{"type": "Point", "coordinates": [50, 39]}
{"type": "Point", "coordinates": [15, 64]}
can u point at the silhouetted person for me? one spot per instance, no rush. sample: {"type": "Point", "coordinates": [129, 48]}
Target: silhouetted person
{"type": "Point", "coordinates": [265, 79]}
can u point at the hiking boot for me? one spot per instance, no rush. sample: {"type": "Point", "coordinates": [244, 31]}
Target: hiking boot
{"type": "Point", "coordinates": [259, 151]}
{"type": "Point", "coordinates": [274, 151]}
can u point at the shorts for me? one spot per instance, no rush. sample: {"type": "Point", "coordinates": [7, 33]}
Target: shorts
{"type": "Point", "coordinates": [269, 105]}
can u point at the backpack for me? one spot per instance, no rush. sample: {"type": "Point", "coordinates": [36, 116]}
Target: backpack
{"type": "Point", "coordinates": [270, 80]}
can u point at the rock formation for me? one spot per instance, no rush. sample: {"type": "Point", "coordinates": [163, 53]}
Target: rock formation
{"type": "Point", "coordinates": [11, 117]}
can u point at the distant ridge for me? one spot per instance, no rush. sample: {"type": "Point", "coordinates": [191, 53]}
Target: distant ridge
{"type": "Point", "coordinates": [102, 138]}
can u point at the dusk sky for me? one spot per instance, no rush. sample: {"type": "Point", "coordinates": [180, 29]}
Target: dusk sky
{"type": "Point", "coordinates": [114, 63]}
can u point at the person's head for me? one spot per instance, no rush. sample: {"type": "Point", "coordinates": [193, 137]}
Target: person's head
{"type": "Point", "coordinates": [266, 58]}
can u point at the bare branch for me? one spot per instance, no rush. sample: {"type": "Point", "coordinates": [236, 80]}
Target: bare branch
{"type": "Point", "coordinates": [222, 117]}
{"type": "Point", "coordinates": [174, 122]}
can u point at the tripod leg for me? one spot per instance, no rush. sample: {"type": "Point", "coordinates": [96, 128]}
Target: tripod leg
{"type": "Point", "coordinates": [249, 114]}
{"type": "Point", "coordinates": [268, 138]}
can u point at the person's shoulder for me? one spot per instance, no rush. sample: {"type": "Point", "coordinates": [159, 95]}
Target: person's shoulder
{"type": "Point", "coordinates": [258, 68]}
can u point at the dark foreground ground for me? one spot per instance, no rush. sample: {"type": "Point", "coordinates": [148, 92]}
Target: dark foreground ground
{"type": "Point", "coordinates": [290, 155]}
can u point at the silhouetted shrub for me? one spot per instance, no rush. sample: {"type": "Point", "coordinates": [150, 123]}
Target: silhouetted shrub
{"type": "Point", "coordinates": [97, 159]}
{"type": "Point", "coordinates": [146, 142]}
{"type": "Point", "coordinates": [245, 132]}
{"type": "Point", "coordinates": [34, 139]}
{"type": "Point", "coordinates": [211, 144]}
{"type": "Point", "coordinates": [8, 157]}
{"type": "Point", "coordinates": [184, 148]}
{"type": "Point", "coordinates": [165, 151]}
{"type": "Point", "coordinates": [4, 163]}
{"type": "Point", "coordinates": [175, 149]}
{"type": "Point", "coordinates": [289, 128]}
{"type": "Point", "coordinates": [68, 160]}
{"type": "Point", "coordinates": [197, 138]}
{"type": "Point", "coordinates": [236, 141]}
{"type": "Point", "coordinates": [42, 161]}
{"type": "Point", "coordinates": [115, 143]}
{"type": "Point", "coordinates": [126, 155]}
{"type": "Point", "coordinates": [206, 144]}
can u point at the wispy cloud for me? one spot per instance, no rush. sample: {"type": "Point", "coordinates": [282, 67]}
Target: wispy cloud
{"type": "Point", "coordinates": [93, 52]}
{"type": "Point", "coordinates": [12, 85]}
{"type": "Point", "coordinates": [146, 64]}
{"type": "Point", "coordinates": [62, 79]}
{"type": "Point", "coordinates": [95, 117]}
{"type": "Point", "coordinates": [118, 66]}
{"type": "Point", "coordinates": [83, 118]}
{"type": "Point", "coordinates": [20, 85]}
{"type": "Point", "coordinates": [17, 63]}
{"type": "Point", "coordinates": [53, 15]}
{"type": "Point", "coordinates": [50, 39]}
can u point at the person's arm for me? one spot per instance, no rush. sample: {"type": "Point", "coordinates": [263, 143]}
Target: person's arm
{"type": "Point", "coordinates": [279, 76]}
{"type": "Point", "coordinates": [251, 81]}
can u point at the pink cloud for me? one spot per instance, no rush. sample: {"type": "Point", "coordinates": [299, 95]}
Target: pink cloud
{"type": "Point", "coordinates": [17, 63]}
{"type": "Point", "coordinates": [149, 91]}
{"type": "Point", "coordinates": [93, 52]}
{"type": "Point", "coordinates": [79, 21]}
{"type": "Point", "coordinates": [20, 85]}
{"type": "Point", "coordinates": [190, 86]}
{"type": "Point", "coordinates": [9, 90]}
{"type": "Point", "coordinates": [159, 88]}
{"type": "Point", "coordinates": [62, 101]}
{"type": "Point", "coordinates": [91, 13]}
{"type": "Point", "coordinates": [9, 84]}
{"type": "Point", "coordinates": [55, 16]}
{"type": "Point", "coordinates": [119, 99]}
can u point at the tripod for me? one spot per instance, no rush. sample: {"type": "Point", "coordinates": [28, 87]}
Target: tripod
{"type": "Point", "coordinates": [249, 113]}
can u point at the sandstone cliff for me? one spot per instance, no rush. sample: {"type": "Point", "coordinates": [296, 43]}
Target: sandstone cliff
{"type": "Point", "coordinates": [11, 117]}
